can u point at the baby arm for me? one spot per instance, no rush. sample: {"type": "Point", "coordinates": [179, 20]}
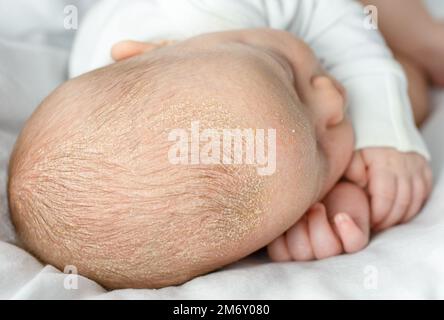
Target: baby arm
{"type": "Point", "coordinates": [392, 159]}
{"type": "Point", "coordinates": [341, 223]}
{"type": "Point", "coordinates": [398, 183]}
{"type": "Point", "coordinates": [420, 41]}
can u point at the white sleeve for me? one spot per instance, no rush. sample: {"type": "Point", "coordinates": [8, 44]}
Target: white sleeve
{"type": "Point", "coordinates": [358, 57]}
{"type": "Point", "coordinates": [111, 21]}
{"type": "Point", "coordinates": [377, 88]}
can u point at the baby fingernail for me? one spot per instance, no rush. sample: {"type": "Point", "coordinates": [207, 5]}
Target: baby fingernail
{"type": "Point", "coordinates": [341, 217]}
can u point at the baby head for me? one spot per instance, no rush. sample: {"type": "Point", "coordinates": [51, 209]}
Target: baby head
{"type": "Point", "coordinates": [94, 182]}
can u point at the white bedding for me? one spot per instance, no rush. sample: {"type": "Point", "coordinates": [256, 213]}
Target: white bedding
{"type": "Point", "coordinates": [404, 262]}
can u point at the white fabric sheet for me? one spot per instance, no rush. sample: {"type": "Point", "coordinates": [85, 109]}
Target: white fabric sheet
{"type": "Point", "coordinates": [404, 262]}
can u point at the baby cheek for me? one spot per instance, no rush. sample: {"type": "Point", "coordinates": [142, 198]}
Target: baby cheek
{"type": "Point", "coordinates": [349, 138]}
{"type": "Point", "coordinates": [338, 150]}
{"type": "Point", "coordinates": [345, 146]}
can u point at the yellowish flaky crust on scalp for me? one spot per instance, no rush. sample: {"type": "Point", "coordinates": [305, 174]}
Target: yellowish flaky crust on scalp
{"type": "Point", "coordinates": [90, 184]}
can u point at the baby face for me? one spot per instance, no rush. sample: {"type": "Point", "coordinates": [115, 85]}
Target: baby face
{"type": "Point", "coordinates": [304, 94]}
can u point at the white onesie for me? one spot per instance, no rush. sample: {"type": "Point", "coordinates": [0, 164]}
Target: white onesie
{"type": "Point", "coordinates": [357, 56]}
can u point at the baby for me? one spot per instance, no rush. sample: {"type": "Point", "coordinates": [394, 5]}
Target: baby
{"type": "Point", "coordinates": [419, 49]}
{"type": "Point", "coordinates": [91, 184]}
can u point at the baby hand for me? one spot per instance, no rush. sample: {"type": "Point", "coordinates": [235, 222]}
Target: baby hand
{"type": "Point", "coordinates": [398, 183]}
{"type": "Point", "coordinates": [339, 225]}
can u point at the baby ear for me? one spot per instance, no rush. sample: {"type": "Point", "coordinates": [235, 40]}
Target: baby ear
{"type": "Point", "coordinates": [326, 83]}
{"type": "Point", "coordinates": [127, 49]}
{"type": "Point", "coordinates": [329, 89]}
{"type": "Point", "coordinates": [328, 100]}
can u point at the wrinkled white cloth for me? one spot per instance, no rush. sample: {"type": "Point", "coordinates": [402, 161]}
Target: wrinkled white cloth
{"type": "Point", "coordinates": [403, 262]}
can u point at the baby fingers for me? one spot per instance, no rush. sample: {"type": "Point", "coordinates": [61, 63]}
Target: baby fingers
{"type": "Point", "coordinates": [298, 241]}
{"type": "Point", "coordinates": [357, 171]}
{"type": "Point", "coordinates": [278, 250]}
{"type": "Point", "coordinates": [383, 189]}
{"type": "Point", "coordinates": [352, 237]}
{"type": "Point", "coordinates": [419, 195]}
{"type": "Point", "coordinates": [323, 239]}
{"type": "Point", "coordinates": [428, 178]}
{"type": "Point", "coordinates": [401, 205]}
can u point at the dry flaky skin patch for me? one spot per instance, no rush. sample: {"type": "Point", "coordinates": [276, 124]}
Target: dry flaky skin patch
{"type": "Point", "coordinates": [242, 211]}
{"type": "Point", "coordinates": [103, 197]}
{"type": "Point", "coordinates": [238, 212]}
